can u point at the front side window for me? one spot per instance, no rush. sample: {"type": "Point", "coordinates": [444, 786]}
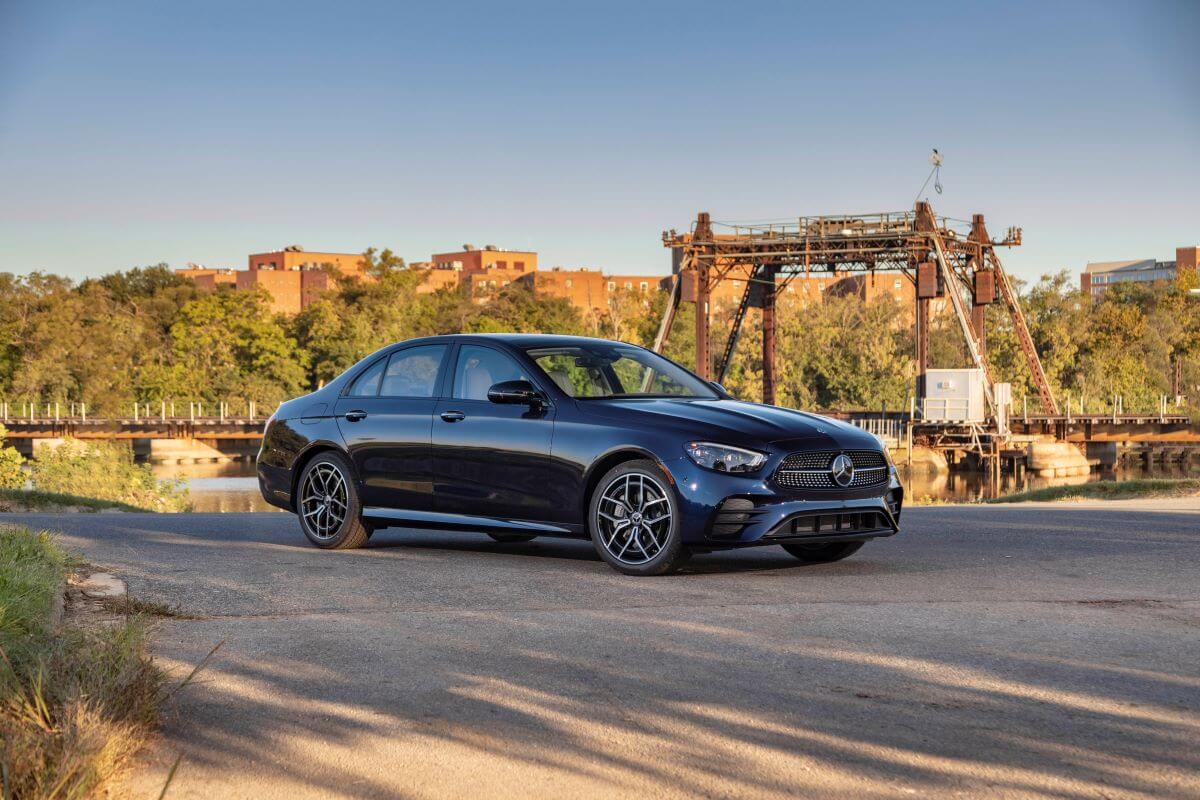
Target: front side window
{"type": "Point", "coordinates": [413, 372]}
{"type": "Point", "coordinates": [480, 368]}
{"type": "Point", "coordinates": [599, 371]}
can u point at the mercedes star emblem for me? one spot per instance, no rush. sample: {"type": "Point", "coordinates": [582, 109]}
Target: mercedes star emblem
{"type": "Point", "coordinates": [842, 470]}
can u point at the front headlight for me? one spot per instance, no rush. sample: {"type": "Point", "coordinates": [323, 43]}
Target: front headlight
{"type": "Point", "coordinates": [723, 458]}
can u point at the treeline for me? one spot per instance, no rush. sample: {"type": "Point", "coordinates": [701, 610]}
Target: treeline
{"type": "Point", "coordinates": [148, 336]}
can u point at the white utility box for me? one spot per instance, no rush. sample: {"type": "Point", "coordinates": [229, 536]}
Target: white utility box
{"type": "Point", "coordinates": [954, 395]}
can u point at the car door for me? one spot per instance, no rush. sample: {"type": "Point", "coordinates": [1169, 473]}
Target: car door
{"type": "Point", "coordinates": [491, 459]}
{"type": "Point", "coordinates": [385, 418]}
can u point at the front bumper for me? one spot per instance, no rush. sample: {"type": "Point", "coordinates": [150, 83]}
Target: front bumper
{"type": "Point", "coordinates": [727, 510]}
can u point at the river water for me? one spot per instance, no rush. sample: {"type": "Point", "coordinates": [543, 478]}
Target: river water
{"type": "Point", "coordinates": [233, 487]}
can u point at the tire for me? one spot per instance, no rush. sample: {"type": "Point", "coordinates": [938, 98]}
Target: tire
{"type": "Point", "coordinates": [632, 494]}
{"type": "Point", "coordinates": [329, 476]}
{"type": "Point", "coordinates": [823, 553]}
{"type": "Point", "coordinates": [510, 538]}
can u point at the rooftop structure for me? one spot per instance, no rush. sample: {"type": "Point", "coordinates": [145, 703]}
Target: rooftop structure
{"type": "Point", "coordinates": [1099, 275]}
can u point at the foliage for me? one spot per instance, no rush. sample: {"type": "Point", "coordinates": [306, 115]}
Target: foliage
{"type": "Point", "coordinates": [105, 471]}
{"type": "Point", "coordinates": [76, 702]}
{"type": "Point", "coordinates": [11, 474]}
{"type": "Point", "coordinates": [147, 335]}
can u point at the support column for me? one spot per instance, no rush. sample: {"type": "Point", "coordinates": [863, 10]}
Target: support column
{"type": "Point", "coordinates": [703, 366]}
{"type": "Point", "coordinates": [978, 323]}
{"type": "Point", "coordinates": [922, 349]}
{"type": "Point", "coordinates": [768, 335]}
{"type": "Point", "coordinates": [702, 234]}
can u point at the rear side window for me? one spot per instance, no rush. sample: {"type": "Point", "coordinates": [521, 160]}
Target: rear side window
{"type": "Point", "coordinates": [367, 384]}
{"type": "Point", "coordinates": [413, 372]}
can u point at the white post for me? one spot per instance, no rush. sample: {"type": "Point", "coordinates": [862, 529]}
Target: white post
{"type": "Point", "coordinates": [83, 410]}
{"type": "Point", "coordinates": [56, 411]}
{"type": "Point", "coordinates": [135, 412]}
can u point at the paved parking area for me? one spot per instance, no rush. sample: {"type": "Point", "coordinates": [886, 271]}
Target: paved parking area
{"type": "Point", "coordinates": [985, 651]}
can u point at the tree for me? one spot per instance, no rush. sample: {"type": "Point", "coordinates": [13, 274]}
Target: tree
{"type": "Point", "coordinates": [228, 345]}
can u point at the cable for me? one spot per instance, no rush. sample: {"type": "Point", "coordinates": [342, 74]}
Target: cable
{"type": "Point", "coordinates": [935, 159]}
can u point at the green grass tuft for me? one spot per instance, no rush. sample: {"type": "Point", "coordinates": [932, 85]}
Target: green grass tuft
{"type": "Point", "coordinates": [1107, 490]}
{"type": "Point", "coordinates": [76, 702]}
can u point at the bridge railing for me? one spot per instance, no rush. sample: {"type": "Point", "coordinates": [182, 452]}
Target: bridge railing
{"type": "Point", "coordinates": [164, 411]}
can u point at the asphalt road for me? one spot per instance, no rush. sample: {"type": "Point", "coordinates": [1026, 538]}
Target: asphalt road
{"type": "Point", "coordinates": [985, 651]}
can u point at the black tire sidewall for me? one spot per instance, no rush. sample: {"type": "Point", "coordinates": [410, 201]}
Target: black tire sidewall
{"type": "Point", "coordinates": [352, 526]}
{"type": "Point", "coordinates": [673, 553]}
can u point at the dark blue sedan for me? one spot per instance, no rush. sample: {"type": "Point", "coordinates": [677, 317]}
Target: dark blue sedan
{"type": "Point", "coordinates": [520, 436]}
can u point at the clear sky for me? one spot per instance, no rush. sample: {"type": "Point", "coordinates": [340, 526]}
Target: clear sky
{"type": "Point", "coordinates": [139, 132]}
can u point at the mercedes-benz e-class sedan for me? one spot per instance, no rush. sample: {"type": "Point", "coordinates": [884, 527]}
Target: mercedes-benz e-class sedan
{"type": "Point", "coordinates": [519, 436]}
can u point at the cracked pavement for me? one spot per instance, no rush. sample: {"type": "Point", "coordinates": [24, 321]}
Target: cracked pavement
{"type": "Point", "coordinates": [1033, 650]}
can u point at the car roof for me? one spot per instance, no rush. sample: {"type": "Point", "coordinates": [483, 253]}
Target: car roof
{"type": "Point", "coordinates": [522, 340]}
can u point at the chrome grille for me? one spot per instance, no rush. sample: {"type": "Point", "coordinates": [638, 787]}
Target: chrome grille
{"type": "Point", "coordinates": [810, 470]}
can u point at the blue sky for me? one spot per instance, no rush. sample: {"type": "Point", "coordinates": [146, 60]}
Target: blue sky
{"type": "Point", "coordinates": [139, 132]}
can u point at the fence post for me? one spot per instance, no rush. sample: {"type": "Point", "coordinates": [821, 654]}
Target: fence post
{"type": "Point", "coordinates": [135, 412]}
{"type": "Point", "coordinates": [83, 411]}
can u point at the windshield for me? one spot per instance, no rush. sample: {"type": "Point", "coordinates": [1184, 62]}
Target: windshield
{"type": "Point", "coordinates": [617, 370]}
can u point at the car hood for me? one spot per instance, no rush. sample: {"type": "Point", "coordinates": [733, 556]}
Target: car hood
{"type": "Point", "coordinates": [734, 418]}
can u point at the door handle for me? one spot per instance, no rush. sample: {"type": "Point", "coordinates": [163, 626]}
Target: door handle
{"type": "Point", "coordinates": [355, 416]}
{"type": "Point", "coordinates": [453, 416]}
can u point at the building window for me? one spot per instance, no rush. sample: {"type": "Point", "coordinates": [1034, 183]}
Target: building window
{"type": "Point", "coordinates": [628, 284]}
{"type": "Point", "coordinates": [896, 285]}
{"type": "Point", "coordinates": [519, 265]}
{"type": "Point", "coordinates": [502, 264]}
{"type": "Point", "coordinates": [568, 283]}
{"type": "Point", "coordinates": [612, 286]}
{"type": "Point", "coordinates": [644, 286]}
{"type": "Point", "coordinates": [505, 283]}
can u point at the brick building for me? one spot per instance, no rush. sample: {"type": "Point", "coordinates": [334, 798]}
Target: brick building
{"type": "Point", "coordinates": [292, 276]}
{"type": "Point", "coordinates": [473, 259]}
{"type": "Point", "coordinates": [208, 278]}
{"type": "Point", "coordinates": [586, 289]}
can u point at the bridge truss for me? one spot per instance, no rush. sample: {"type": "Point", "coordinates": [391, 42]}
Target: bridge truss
{"type": "Point", "coordinates": [942, 257]}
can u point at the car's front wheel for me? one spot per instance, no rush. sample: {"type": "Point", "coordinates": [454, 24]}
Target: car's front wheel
{"type": "Point", "coordinates": [823, 553]}
{"type": "Point", "coordinates": [328, 504]}
{"type": "Point", "coordinates": [633, 517]}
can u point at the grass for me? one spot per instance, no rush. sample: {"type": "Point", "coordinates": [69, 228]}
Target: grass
{"type": "Point", "coordinates": [36, 500]}
{"type": "Point", "coordinates": [1107, 490]}
{"type": "Point", "coordinates": [76, 701]}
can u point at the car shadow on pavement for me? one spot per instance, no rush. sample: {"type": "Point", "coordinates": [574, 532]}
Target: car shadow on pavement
{"type": "Point", "coordinates": [749, 559]}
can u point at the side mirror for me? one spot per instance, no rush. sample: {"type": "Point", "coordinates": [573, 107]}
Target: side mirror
{"type": "Point", "coordinates": [515, 393]}
{"type": "Point", "coordinates": [718, 387]}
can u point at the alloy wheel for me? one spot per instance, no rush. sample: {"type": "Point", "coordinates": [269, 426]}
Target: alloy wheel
{"type": "Point", "coordinates": [324, 500]}
{"type": "Point", "coordinates": [634, 518]}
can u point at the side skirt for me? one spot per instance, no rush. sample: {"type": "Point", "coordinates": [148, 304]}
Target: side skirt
{"type": "Point", "coordinates": [437, 520]}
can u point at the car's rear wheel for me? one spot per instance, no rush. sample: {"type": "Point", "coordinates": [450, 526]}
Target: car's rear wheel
{"type": "Point", "coordinates": [633, 517]}
{"type": "Point", "coordinates": [509, 538]}
{"type": "Point", "coordinates": [823, 553]}
{"type": "Point", "coordinates": [328, 504]}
